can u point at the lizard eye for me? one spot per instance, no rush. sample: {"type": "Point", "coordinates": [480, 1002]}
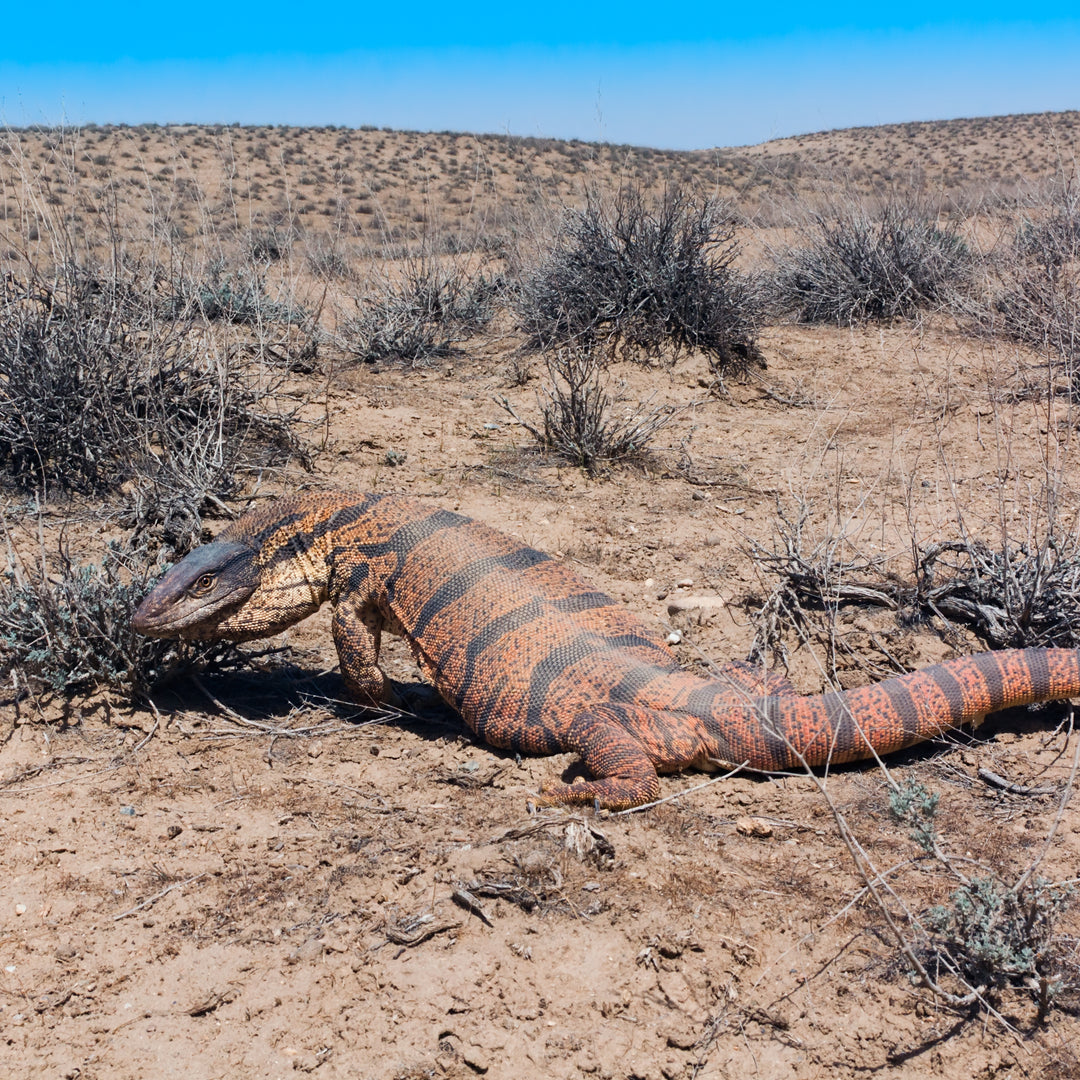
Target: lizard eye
{"type": "Point", "coordinates": [203, 584]}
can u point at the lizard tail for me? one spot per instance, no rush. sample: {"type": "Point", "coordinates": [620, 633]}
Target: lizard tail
{"type": "Point", "coordinates": [782, 731]}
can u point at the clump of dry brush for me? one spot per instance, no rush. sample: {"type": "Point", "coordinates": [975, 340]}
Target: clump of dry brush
{"type": "Point", "coordinates": [420, 309]}
{"type": "Point", "coordinates": [1017, 595]}
{"type": "Point", "coordinates": [636, 279]}
{"type": "Point", "coordinates": [104, 384]}
{"type": "Point", "coordinates": [111, 388]}
{"type": "Point", "coordinates": [1033, 278]}
{"type": "Point", "coordinates": [644, 280]}
{"type": "Point", "coordinates": [858, 260]}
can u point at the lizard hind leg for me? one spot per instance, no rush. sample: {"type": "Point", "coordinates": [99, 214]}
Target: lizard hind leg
{"type": "Point", "coordinates": [625, 773]}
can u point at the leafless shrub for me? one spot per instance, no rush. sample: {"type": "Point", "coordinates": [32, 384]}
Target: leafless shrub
{"type": "Point", "coordinates": [421, 314]}
{"type": "Point", "coordinates": [578, 424]}
{"type": "Point", "coordinates": [1018, 596]}
{"type": "Point", "coordinates": [100, 385]}
{"type": "Point", "coordinates": [1035, 280]}
{"type": "Point", "coordinates": [327, 260]}
{"type": "Point", "coordinates": [269, 244]}
{"type": "Point", "coordinates": [67, 628]}
{"type": "Point", "coordinates": [643, 281]}
{"type": "Point", "coordinates": [855, 264]}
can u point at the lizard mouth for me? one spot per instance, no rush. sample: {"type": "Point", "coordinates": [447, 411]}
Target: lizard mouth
{"type": "Point", "coordinates": [198, 593]}
{"type": "Point", "coordinates": [195, 622]}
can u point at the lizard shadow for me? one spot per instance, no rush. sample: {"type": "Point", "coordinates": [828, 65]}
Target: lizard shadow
{"type": "Point", "coordinates": [287, 695]}
{"type": "Point", "coordinates": [277, 697]}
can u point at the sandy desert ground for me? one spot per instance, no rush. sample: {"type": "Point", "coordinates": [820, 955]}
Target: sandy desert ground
{"type": "Point", "coordinates": [251, 878]}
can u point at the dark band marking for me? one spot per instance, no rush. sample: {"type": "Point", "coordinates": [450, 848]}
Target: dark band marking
{"type": "Point", "coordinates": [953, 690]}
{"type": "Point", "coordinates": [627, 641]}
{"type": "Point", "coordinates": [571, 605]}
{"type": "Point", "coordinates": [551, 667]}
{"type": "Point", "coordinates": [769, 710]}
{"type": "Point", "coordinates": [987, 666]}
{"type": "Point", "coordinates": [497, 628]}
{"type": "Point", "coordinates": [406, 538]}
{"type": "Point", "coordinates": [907, 712]}
{"type": "Point", "coordinates": [844, 733]}
{"type": "Point", "coordinates": [634, 681]}
{"type": "Point", "coordinates": [468, 577]}
{"type": "Point", "coordinates": [1038, 665]}
{"type": "Point", "coordinates": [701, 701]}
{"type": "Point", "coordinates": [286, 525]}
{"type": "Point", "coordinates": [349, 515]}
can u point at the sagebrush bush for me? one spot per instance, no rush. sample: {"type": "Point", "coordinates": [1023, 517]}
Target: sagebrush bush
{"type": "Point", "coordinates": [236, 295]}
{"type": "Point", "coordinates": [101, 384]}
{"type": "Point", "coordinates": [1036, 280]}
{"type": "Point", "coordinates": [855, 264]}
{"type": "Point", "coordinates": [421, 313]}
{"type": "Point", "coordinates": [991, 934]}
{"type": "Point", "coordinates": [1000, 936]}
{"type": "Point", "coordinates": [67, 630]}
{"type": "Point", "coordinates": [643, 280]}
{"type": "Point", "coordinates": [578, 416]}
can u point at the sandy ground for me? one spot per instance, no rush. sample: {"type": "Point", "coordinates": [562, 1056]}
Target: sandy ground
{"type": "Point", "coordinates": [183, 889]}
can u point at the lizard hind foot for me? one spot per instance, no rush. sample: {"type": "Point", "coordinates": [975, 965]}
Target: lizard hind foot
{"type": "Point", "coordinates": [614, 753]}
{"type": "Point", "coordinates": [609, 793]}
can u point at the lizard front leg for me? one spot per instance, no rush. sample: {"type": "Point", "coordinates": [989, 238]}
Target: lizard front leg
{"type": "Point", "coordinates": [357, 634]}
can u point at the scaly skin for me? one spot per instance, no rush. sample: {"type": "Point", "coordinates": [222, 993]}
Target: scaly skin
{"type": "Point", "coordinates": [536, 660]}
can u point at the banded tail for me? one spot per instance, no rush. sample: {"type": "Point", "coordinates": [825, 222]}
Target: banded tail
{"type": "Point", "coordinates": [784, 731]}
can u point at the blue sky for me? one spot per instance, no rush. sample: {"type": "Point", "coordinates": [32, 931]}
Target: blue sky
{"type": "Point", "coordinates": [679, 74]}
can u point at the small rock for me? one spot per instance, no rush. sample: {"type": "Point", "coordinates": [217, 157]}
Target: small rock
{"type": "Point", "coordinates": [476, 1058]}
{"type": "Point", "coordinates": [749, 826]}
{"type": "Point", "coordinates": [686, 583]}
{"type": "Point", "coordinates": [674, 638]}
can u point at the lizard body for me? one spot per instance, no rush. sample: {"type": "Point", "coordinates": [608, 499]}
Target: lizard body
{"type": "Point", "coordinates": [537, 660]}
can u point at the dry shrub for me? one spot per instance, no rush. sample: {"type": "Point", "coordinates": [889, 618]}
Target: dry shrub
{"type": "Point", "coordinates": [101, 384]}
{"type": "Point", "coordinates": [857, 263]}
{"type": "Point", "coordinates": [1013, 596]}
{"type": "Point", "coordinates": [643, 280]}
{"type": "Point", "coordinates": [420, 311]}
{"type": "Point", "coordinates": [1035, 279]}
{"type": "Point", "coordinates": [578, 420]}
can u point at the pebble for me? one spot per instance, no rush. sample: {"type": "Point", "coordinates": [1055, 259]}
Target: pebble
{"type": "Point", "coordinates": [749, 826]}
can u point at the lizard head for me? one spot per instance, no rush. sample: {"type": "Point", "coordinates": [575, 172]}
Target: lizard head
{"type": "Point", "coordinates": [201, 595]}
